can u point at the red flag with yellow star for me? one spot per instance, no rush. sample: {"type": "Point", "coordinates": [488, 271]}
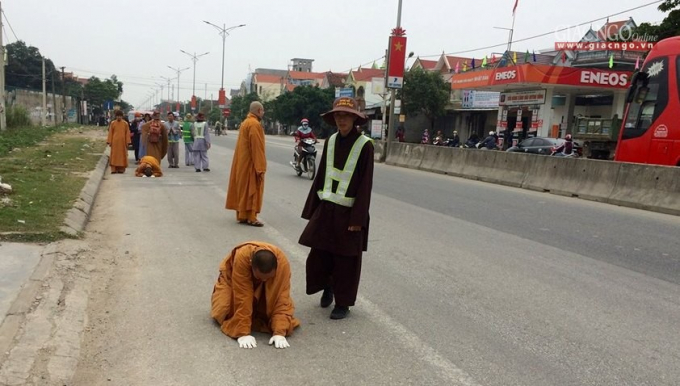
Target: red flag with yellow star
{"type": "Point", "coordinates": [397, 60]}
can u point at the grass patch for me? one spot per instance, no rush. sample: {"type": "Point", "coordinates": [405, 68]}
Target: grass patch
{"type": "Point", "coordinates": [46, 178]}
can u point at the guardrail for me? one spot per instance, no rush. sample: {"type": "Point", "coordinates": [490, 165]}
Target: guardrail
{"type": "Point", "coordinates": [648, 187]}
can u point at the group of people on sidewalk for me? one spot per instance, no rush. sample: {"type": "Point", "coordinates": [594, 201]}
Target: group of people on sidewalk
{"type": "Point", "coordinates": [252, 292]}
{"type": "Point", "coordinates": [153, 139]}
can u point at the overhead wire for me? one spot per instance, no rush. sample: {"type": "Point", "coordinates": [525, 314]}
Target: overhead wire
{"type": "Point", "coordinates": [10, 25]}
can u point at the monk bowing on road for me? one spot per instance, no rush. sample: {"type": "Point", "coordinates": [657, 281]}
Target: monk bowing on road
{"type": "Point", "coordinates": [252, 293]}
{"type": "Point", "coordinates": [246, 182]}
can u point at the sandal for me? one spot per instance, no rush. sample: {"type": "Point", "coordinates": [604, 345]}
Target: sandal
{"type": "Point", "coordinates": [255, 223]}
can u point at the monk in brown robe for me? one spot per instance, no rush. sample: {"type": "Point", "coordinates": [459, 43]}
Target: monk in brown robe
{"type": "Point", "coordinates": [337, 210]}
{"type": "Point", "coordinates": [118, 139]}
{"type": "Point", "coordinates": [156, 144]}
{"type": "Point", "coordinates": [252, 293]}
{"type": "Point", "coordinates": [246, 181]}
{"type": "Point", "coordinates": [148, 166]}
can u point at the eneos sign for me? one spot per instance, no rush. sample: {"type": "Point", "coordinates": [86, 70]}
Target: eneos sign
{"type": "Point", "coordinates": [604, 78]}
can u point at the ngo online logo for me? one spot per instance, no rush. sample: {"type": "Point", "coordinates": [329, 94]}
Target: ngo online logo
{"type": "Point", "coordinates": [612, 36]}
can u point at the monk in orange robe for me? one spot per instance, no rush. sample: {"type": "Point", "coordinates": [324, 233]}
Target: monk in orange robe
{"type": "Point", "coordinates": [148, 166]}
{"type": "Point", "coordinates": [118, 139]}
{"type": "Point", "coordinates": [155, 136]}
{"type": "Point", "coordinates": [246, 181]}
{"type": "Point", "coordinates": [252, 293]}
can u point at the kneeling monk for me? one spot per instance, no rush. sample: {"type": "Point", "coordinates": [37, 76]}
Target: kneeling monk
{"type": "Point", "coordinates": [148, 166]}
{"type": "Point", "coordinates": [252, 293]}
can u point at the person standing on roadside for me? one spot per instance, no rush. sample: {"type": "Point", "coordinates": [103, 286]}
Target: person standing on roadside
{"type": "Point", "coordinates": [156, 137]}
{"type": "Point", "coordinates": [174, 136]}
{"type": "Point", "coordinates": [337, 210]}
{"type": "Point", "coordinates": [188, 140]}
{"type": "Point", "coordinates": [246, 181]}
{"type": "Point", "coordinates": [200, 132]}
{"type": "Point", "coordinates": [118, 139]}
{"type": "Point", "coordinates": [135, 125]}
{"type": "Point", "coordinates": [142, 137]}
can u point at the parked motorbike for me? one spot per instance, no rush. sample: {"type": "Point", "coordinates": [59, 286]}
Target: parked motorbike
{"type": "Point", "coordinates": [307, 157]}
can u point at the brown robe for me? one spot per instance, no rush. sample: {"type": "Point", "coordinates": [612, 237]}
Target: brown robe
{"type": "Point", "coordinates": [159, 149]}
{"type": "Point", "coordinates": [118, 139]}
{"type": "Point", "coordinates": [246, 181]}
{"type": "Point", "coordinates": [328, 222]}
{"type": "Point", "coordinates": [151, 161]}
{"type": "Point", "coordinates": [242, 304]}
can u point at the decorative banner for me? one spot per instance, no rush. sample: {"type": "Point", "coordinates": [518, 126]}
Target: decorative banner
{"type": "Point", "coordinates": [193, 102]}
{"type": "Point", "coordinates": [222, 98]}
{"type": "Point", "coordinates": [397, 60]}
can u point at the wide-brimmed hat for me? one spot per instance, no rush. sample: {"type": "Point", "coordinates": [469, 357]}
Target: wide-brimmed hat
{"type": "Point", "coordinates": [188, 116]}
{"type": "Point", "coordinates": [200, 116]}
{"type": "Point", "coordinates": [347, 105]}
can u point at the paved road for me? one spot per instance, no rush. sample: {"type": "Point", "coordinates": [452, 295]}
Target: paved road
{"type": "Point", "coordinates": [465, 283]}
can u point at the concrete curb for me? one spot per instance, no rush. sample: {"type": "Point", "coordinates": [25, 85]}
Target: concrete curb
{"type": "Point", "coordinates": [77, 217]}
{"type": "Point", "coordinates": [24, 301]}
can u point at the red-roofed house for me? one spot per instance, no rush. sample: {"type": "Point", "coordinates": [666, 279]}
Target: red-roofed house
{"type": "Point", "coordinates": [268, 86]}
{"type": "Point", "coordinates": [427, 65]}
{"type": "Point", "coordinates": [300, 78]}
{"type": "Point", "coordinates": [333, 79]}
{"type": "Point", "coordinates": [361, 81]}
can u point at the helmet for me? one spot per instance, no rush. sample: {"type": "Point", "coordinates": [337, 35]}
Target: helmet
{"type": "Point", "coordinates": [491, 132]}
{"type": "Point", "coordinates": [304, 120]}
{"type": "Point", "coordinates": [568, 137]}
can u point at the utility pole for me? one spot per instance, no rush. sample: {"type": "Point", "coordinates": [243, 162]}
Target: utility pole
{"type": "Point", "coordinates": [54, 99]}
{"type": "Point", "coordinates": [3, 116]}
{"type": "Point", "coordinates": [63, 96]}
{"type": "Point", "coordinates": [43, 118]}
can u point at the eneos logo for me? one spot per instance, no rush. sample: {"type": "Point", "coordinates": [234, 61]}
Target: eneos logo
{"type": "Point", "coordinates": [604, 78]}
{"type": "Point", "coordinates": [506, 75]}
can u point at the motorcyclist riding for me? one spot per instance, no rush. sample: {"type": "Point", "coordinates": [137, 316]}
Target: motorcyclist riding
{"type": "Point", "coordinates": [567, 147]}
{"type": "Point", "coordinates": [490, 141]}
{"type": "Point", "coordinates": [302, 132]}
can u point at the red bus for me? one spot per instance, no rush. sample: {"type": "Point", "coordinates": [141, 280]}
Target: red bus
{"type": "Point", "coordinates": [650, 131]}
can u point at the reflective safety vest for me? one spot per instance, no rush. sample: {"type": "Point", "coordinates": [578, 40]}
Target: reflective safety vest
{"type": "Point", "coordinates": [198, 128]}
{"type": "Point", "coordinates": [342, 176]}
{"type": "Point", "coordinates": [186, 132]}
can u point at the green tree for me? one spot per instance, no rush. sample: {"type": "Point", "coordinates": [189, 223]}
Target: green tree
{"type": "Point", "coordinates": [97, 92]}
{"type": "Point", "coordinates": [669, 27]}
{"type": "Point", "coordinates": [240, 105]}
{"type": "Point", "coordinates": [303, 102]}
{"type": "Point", "coordinates": [426, 93]}
{"type": "Point", "coordinates": [24, 67]}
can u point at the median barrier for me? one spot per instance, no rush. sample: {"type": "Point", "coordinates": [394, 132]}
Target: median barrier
{"type": "Point", "coordinates": [648, 187]}
{"type": "Point", "coordinates": [478, 165]}
{"type": "Point", "coordinates": [655, 188]}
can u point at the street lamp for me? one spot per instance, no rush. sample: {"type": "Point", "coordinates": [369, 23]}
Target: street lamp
{"type": "Point", "coordinates": [194, 57]}
{"type": "Point", "coordinates": [178, 71]}
{"type": "Point", "coordinates": [224, 32]}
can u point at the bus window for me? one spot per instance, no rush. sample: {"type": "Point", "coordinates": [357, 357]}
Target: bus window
{"type": "Point", "coordinates": [643, 111]}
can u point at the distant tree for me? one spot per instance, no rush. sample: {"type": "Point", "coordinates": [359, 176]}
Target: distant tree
{"type": "Point", "coordinates": [303, 102]}
{"type": "Point", "coordinates": [24, 67]}
{"type": "Point", "coordinates": [425, 92]}
{"type": "Point", "coordinates": [97, 91]}
{"type": "Point", "coordinates": [669, 27]}
{"type": "Point", "coordinates": [240, 105]}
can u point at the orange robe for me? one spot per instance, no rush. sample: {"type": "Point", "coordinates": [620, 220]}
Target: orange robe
{"type": "Point", "coordinates": [159, 149]}
{"type": "Point", "coordinates": [246, 181]}
{"type": "Point", "coordinates": [242, 304]}
{"type": "Point", "coordinates": [151, 161]}
{"type": "Point", "coordinates": [119, 138]}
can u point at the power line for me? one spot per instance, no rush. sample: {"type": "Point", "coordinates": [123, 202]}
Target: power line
{"type": "Point", "coordinates": [504, 44]}
{"type": "Point", "coordinates": [10, 25]}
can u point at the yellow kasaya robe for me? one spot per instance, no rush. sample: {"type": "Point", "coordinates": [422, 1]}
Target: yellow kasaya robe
{"type": "Point", "coordinates": [241, 304]}
{"type": "Point", "coordinates": [246, 181]}
{"type": "Point", "coordinates": [159, 149]}
{"type": "Point", "coordinates": [118, 139]}
{"type": "Point", "coordinates": [151, 161]}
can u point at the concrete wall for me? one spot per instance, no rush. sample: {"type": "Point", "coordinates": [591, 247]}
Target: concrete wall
{"type": "Point", "coordinates": [648, 187]}
{"type": "Point", "coordinates": [32, 102]}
